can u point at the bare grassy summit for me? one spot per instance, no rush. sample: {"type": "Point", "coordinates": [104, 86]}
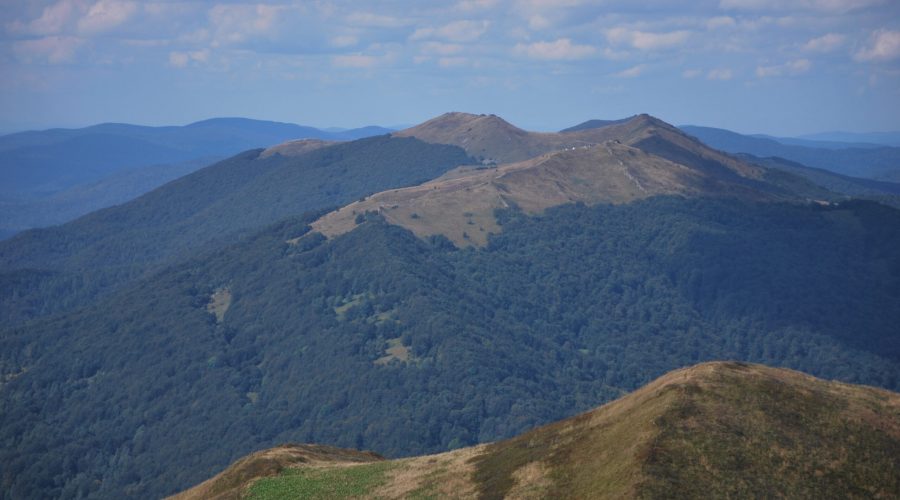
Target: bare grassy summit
{"type": "Point", "coordinates": [715, 430]}
{"type": "Point", "coordinates": [617, 163]}
{"type": "Point", "coordinates": [461, 204]}
{"type": "Point", "coordinates": [296, 147]}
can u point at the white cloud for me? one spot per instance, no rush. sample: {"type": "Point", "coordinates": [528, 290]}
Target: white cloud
{"type": "Point", "coordinates": [792, 68]}
{"type": "Point", "coordinates": [884, 46]}
{"type": "Point", "coordinates": [179, 59]}
{"type": "Point", "coordinates": [51, 49]}
{"type": "Point", "coordinates": [561, 49]}
{"type": "Point", "coordinates": [469, 5]}
{"type": "Point", "coordinates": [835, 6]}
{"type": "Point", "coordinates": [238, 23]}
{"type": "Point", "coordinates": [53, 20]}
{"type": "Point", "coordinates": [533, 5]}
{"type": "Point", "coordinates": [183, 59]}
{"type": "Point", "coordinates": [354, 61]}
{"type": "Point", "coordinates": [632, 72]}
{"type": "Point", "coordinates": [457, 31]}
{"type": "Point", "coordinates": [615, 55]}
{"type": "Point", "coordinates": [344, 40]}
{"type": "Point", "coordinates": [371, 20]}
{"type": "Point", "coordinates": [721, 22]}
{"type": "Point", "coordinates": [380, 55]}
{"type": "Point", "coordinates": [105, 15]}
{"type": "Point", "coordinates": [538, 22]}
{"type": "Point", "coordinates": [642, 40]}
{"type": "Point", "coordinates": [691, 73]}
{"type": "Point", "coordinates": [442, 49]}
{"type": "Point", "coordinates": [719, 74]}
{"type": "Point", "coordinates": [825, 43]}
{"type": "Point", "coordinates": [452, 62]}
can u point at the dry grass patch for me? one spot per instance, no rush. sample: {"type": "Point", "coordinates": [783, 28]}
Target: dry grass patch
{"type": "Point", "coordinates": [295, 148]}
{"type": "Point", "coordinates": [446, 475]}
{"type": "Point", "coordinates": [532, 482]}
{"type": "Point", "coordinates": [395, 351]}
{"type": "Point", "coordinates": [219, 302]}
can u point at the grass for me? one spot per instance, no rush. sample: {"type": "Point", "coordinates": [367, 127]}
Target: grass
{"type": "Point", "coordinates": [768, 437]}
{"type": "Point", "coordinates": [716, 430]}
{"type": "Point", "coordinates": [219, 303]}
{"type": "Point", "coordinates": [720, 430]}
{"type": "Point", "coordinates": [430, 487]}
{"type": "Point", "coordinates": [592, 455]}
{"type": "Point", "coordinates": [396, 350]}
{"type": "Point", "coordinates": [354, 481]}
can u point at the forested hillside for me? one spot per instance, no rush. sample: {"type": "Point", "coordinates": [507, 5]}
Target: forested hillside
{"type": "Point", "coordinates": [384, 341]}
{"type": "Point", "coordinates": [50, 270]}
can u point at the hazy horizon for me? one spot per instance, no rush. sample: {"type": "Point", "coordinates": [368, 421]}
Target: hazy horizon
{"type": "Point", "coordinates": [752, 66]}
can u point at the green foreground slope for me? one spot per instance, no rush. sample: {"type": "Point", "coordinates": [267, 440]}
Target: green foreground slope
{"type": "Point", "coordinates": [715, 430]}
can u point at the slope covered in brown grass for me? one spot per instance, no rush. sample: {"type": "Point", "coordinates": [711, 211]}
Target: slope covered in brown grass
{"type": "Point", "coordinates": [461, 204]}
{"type": "Point", "coordinates": [491, 138]}
{"type": "Point", "coordinates": [295, 148]}
{"type": "Point", "coordinates": [715, 430]}
{"type": "Point", "coordinates": [617, 163]}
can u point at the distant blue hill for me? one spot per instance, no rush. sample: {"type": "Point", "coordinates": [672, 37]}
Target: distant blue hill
{"type": "Point", "coordinates": [882, 138]}
{"type": "Point", "coordinates": [101, 165]}
{"type": "Point", "coordinates": [819, 144]}
{"type": "Point", "coordinates": [850, 159]}
{"type": "Point", "coordinates": [59, 158]}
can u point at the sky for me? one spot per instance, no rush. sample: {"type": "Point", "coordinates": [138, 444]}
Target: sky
{"type": "Point", "coordinates": [782, 67]}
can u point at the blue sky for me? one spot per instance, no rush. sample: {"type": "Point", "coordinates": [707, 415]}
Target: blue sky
{"type": "Point", "coordinates": [783, 67]}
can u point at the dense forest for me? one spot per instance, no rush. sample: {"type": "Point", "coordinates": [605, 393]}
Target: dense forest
{"type": "Point", "coordinates": [56, 269]}
{"type": "Point", "coordinates": [380, 340]}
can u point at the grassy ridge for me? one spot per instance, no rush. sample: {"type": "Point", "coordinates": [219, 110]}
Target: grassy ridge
{"type": "Point", "coordinates": [715, 430]}
{"type": "Point", "coordinates": [766, 435]}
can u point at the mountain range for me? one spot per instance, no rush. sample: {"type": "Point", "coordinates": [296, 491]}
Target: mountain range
{"type": "Point", "coordinates": [882, 138]}
{"type": "Point", "coordinates": [711, 430]}
{"type": "Point", "coordinates": [421, 292]}
{"type": "Point", "coordinates": [53, 176]}
{"type": "Point", "coordinates": [855, 160]}
{"type": "Point", "coordinates": [618, 162]}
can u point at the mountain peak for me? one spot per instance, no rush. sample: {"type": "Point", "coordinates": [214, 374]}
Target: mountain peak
{"type": "Point", "coordinates": [640, 157]}
{"type": "Point", "coordinates": [491, 139]}
{"type": "Point", "coordinates": [485, 137]}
